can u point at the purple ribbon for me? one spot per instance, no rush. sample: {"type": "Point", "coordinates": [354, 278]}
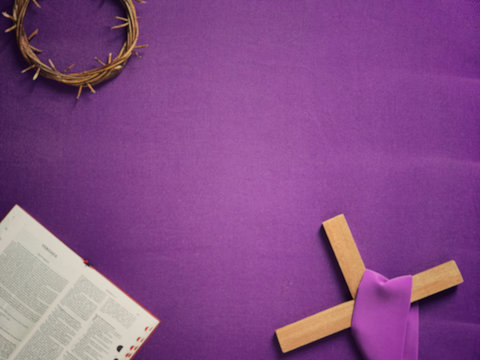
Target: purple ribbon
{"type": "Point", "coordinates": [384, 324]}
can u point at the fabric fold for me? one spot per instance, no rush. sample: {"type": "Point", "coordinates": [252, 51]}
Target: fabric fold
{"type": "Point", "coordinates": [384, 323]}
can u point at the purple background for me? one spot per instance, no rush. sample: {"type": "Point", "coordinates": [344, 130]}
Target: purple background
{"type": "Point", "coordinates": [198, 179]}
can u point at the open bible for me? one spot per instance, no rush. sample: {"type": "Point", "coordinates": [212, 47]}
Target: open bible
{"type": "Point", "coordinates": [54, 306]}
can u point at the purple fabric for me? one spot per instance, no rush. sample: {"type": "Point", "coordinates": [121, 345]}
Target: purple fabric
{"type": "Point", "coordinates": [198, 179]}
{"type": "Point", "coordinates": [384, 324]}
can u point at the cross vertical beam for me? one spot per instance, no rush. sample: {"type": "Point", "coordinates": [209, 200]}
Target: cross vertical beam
{"type": "Point", "coordinates": [346, 251]}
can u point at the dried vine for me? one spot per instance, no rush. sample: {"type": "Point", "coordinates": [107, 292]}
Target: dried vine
{"type": "Point", "coordinates": [84, 79]}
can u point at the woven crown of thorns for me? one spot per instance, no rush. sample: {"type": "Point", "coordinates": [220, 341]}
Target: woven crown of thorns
{"type": "Point", "coordinates": [107, 70]}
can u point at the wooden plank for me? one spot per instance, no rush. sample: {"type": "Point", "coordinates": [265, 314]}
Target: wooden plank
{"type": "Point", "coordinates": [346, 251]}
{"type": "Point", "coordinates": [316, 326]}
{"type": "Point", "coordinates": [339, 317]}
{"type": "Point", "coordinates": [436, 279]}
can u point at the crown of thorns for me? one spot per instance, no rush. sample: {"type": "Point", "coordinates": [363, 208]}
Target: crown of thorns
{"type": "Point", "coordinates": [88, 78]}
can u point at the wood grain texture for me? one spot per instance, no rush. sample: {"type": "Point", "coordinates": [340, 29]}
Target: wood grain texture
{"type": "Point", "coordinates": [339, 317]}
{"type": "Point", "coordinates": [346, 251]}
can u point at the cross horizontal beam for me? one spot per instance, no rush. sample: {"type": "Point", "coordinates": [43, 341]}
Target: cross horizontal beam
{"type": "Point", "coordinates": [339, 317]}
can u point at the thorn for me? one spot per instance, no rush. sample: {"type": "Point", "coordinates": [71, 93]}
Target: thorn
{"type": "Point", "coordinates": [36, 74]}
{"type": "Point", "coordinates": [68, 68]}
{"type": "Point", "coordinates": [137, 54]}
{"type": "Point", "coordinates": [11, 28]}
{"type": "Point", "coordinates": [141, 1]}
{"type": "Point", "coordinates": [109, 58]}
{"type": "Point", "coordinates": [100, 61]}
{"type": "Point", "coordinates": [36, 4]}
{"type": "Point", "coordinates": [79, 91]}
{"type": "Point", "coordinates": [141, 46]}
{"type": "Point", "coordinates": [51, 65]}
{"type": "Point", "coordinates": [91, 88]}
{"type": "Point", "coordinates": [26, 69]}
{"type": "Point", "coordinates": [8, 16]}
{"type": "Point", "coordinates": [121, 18]}
{"type": "Point", "coordinates": [120, 26]}
{"type": "Point", "coordinates": [32, 35]}
{"type": "Point", "coordinates": [35, 49]}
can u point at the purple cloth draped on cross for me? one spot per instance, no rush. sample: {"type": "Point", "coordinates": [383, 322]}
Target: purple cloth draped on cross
{"type": "Point", "coordinates": [384, 324]}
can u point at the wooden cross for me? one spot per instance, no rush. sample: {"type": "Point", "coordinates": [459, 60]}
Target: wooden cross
{"type": "Point", "coordinates": [339, 317]}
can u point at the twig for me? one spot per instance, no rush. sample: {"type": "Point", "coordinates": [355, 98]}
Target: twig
{"type": "Point", "coordinates": [100, 61]}
{"type": "Point", "coordinates": [35, 49]}
{"type": "Point", "coordinates": [8, 16]}
{"type": "Point", "coordinates": [36, 74]}
{"type": "Point", "coordinates": [91, 88]}
{"type": "Point", "coordinates": [51, 65]}
{"type": "Point", "coordinates": [79, 91]}
{"type": "Point", "coordinates": [13, 27]}
{"type": "Point", "coordinates": [32, 35]}
{"type": "Point", "coordinates": [68, 68]}
{"type": "Point", "coordinates": [28, 68]}
{"type": "Point", "coordinates": [120, 26]}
